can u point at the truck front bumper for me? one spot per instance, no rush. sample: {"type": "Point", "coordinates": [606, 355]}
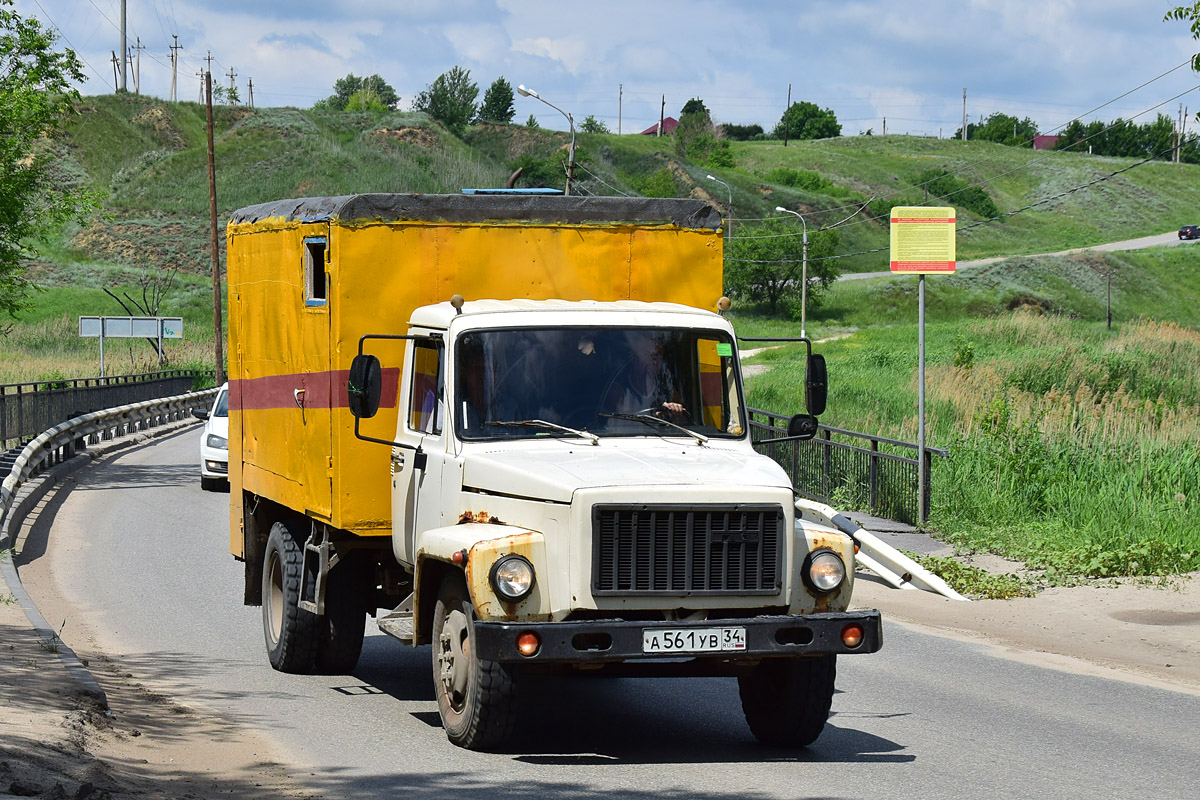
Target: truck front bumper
{"type": "Point", "coordinates": [599, 641]}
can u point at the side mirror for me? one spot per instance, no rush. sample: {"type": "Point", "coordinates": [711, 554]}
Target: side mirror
{"type": "Point", "coordinates": [816, 385]}
{"type": "Point", "coordinates": [200, 413]}
{"type": "Point", "coordinates": [803, 426]}
{"type": "Point", "coordinates": [365, 386]}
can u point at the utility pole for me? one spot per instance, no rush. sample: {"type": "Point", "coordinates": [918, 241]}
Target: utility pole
{"type": "Point", "coordinates": [662, 115]}
{"type": "Point", "coordinates": [787, 120]}
{"type": "Point", "coordinates": [123, 46]}
{"type": "Point", "coordinates": [231, 75]}
{"type": "Point", "coordinates": [964, 129]}
{"type": "Point", "coordinates": [137, 68]}
{"type": "Point", "coordinates": [174, 68]}
{"type": "Point", "coordinates": [250, 85]}
{"type": "Point", "coordinates": [885, 126]}
{"type": "Point", "coordinates": [212, 217]}
{"type": "Point", "coordinates": [620, 99]}
{"type": "Point", "coordinates": [201, 74]}
{"type": "Point", "coordinates": [116, 80]}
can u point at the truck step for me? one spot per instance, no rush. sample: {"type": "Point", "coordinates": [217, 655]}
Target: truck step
{"type": "Point", "coordinates": [399, 623]}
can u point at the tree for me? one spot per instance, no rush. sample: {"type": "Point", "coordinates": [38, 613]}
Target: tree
{"type": "Point", "coordinates": [532, 122]}
{"type": "Point", "coordinates": [37, 92]}
{"type": "Point", "coordinates": [497, 103]}
{"type": "Point", "coordinates": [592, 125]}
{"type": "Point", "coordinates": [450, 99]}
{"type": "Point", "coordinates": [804, 120]}
{"type": "Point", "coordinates": [696, 139]}
{"type": "Point", "coordinates": [741, 133]}
{"type": "Point", "coordinates": [353, 93]}
{"type": "Point", "coordinates": [1002, 129]}
{"type": "Point", "coordinates": [1189, 14]}
{"type": "Point", "coordinates": [764, 263]}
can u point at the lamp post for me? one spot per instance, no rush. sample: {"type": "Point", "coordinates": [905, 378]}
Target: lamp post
{"type": "Point", "coordinates": [803, 270]}
{"type": "Point", "coordinates": [521, 90]}
{"type": "Point", "coordinates": [729, 223]}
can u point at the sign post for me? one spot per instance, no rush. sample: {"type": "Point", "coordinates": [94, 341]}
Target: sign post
{"type": "Point", "coordinates": [922, 243]}
{"type": "Point", "coordinates": [154, 328]}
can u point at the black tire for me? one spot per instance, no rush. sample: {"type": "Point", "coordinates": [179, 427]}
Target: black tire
{"type": "Point", "coordinates": [291, 633]}
{"type": "Point", "coordinates": [210, 484]}
{"type": "Point", "coordinates": [341, 629]}
{"type": "Point", "coordinates": [786, 700]}
{"type": "Point", "coordinates": [476, 699]}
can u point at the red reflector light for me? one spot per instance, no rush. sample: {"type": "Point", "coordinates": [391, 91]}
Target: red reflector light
{"type": "Point", "coordinates": [852, 635]}
{"type": "Point", "coordinates": [528, 643]}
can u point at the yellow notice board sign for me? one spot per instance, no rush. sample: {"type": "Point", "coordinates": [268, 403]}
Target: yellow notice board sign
{"type": "Point", "coordinates": [922, 240]}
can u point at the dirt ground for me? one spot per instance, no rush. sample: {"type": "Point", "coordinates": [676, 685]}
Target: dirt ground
{"type": "Point", "coordinates": [56, 742]}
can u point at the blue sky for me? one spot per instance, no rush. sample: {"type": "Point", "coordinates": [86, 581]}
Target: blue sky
{"type": "Point", "coordinates": [1051, 60]}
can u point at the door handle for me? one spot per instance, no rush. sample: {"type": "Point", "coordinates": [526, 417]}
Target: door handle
{"type": "Point", "coordinates": [298, 396]}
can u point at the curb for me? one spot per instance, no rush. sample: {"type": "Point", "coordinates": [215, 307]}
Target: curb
{"type": "Point", "coordinates": [30, 495]}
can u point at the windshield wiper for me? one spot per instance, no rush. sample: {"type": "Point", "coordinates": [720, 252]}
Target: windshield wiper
{"type": "Point", "coordinates": [541, 423]}
{"type": "Point", "coordinates": [648, 418]}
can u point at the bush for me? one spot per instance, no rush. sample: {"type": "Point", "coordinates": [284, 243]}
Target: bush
{"type": "Point", "coordinates": [798, 179]}
{"type": "Point", "coordinates": [660, 183]}
{"type": "Point", "coordinates": [958, 192]}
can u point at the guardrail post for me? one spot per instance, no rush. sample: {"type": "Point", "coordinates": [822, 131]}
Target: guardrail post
{"type": "Point", "coordinates": [873, 475]}
{"type": "Point", "coordinates": [827, 463]}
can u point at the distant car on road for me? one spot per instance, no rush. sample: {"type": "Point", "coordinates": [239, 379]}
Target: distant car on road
{"type": "Point", "coordinates": [214, 442]}
{"type": "Point", "coordinates": [1189, 232]}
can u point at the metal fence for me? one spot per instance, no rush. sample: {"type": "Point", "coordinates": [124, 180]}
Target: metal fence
{"type": "Point", "coordinates": [27, 409]}
{"type": "Point", "coordinates": [850, 466]}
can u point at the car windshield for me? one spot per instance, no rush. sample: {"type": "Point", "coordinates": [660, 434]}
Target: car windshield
{"type": "Point", "coordinates": [601, 381]}
{"type": "Point", "coordinates": [221, 407]}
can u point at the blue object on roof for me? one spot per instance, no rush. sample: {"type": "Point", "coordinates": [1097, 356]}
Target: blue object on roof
{"type": "Point", "coordinates": [512, 191]}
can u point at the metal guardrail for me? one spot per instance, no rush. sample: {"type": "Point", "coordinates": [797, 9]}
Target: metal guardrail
{"type": "Point", "coordinates": [27, 409]}
{"type": "Point", "coordinates": [59, 443]}
{"type": "Point", "coordinates": [868, 478]}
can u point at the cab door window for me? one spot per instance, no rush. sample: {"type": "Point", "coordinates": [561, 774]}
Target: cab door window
{"type": "Point", "coordinates": [427, 392]}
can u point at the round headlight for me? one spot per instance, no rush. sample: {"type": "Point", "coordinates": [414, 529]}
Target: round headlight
{"type": "Point", "coordinates": [217, 442]}
{"type": "Point", "coordinates": [512, 577]}
{"type": "Point", "coordinates": [825, 571]}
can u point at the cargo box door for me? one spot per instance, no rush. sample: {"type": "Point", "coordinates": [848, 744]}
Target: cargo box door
{"type": "Point", "coordinates": [310, 431]}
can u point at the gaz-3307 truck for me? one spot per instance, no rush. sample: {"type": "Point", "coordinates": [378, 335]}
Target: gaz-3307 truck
{"type": "Point", "coordinates": [552, 475]}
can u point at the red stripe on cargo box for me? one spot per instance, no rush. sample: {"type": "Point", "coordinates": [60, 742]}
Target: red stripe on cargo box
{"type": "Point", "coordinates": [279, 391]}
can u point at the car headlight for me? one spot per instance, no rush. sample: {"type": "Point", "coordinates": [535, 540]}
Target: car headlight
{"type": "Point", "coordinates": [512, 577]}
{"type": "Point", "coordinates": [219, 442]}
{"type": "Point", "coordinates": [825, 571]}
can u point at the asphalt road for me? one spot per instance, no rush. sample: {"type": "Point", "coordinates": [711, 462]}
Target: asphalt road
{"type": "Point", "coordinates": [138, 554]}
{"type": "Point", "coordinates": [1158, 240]}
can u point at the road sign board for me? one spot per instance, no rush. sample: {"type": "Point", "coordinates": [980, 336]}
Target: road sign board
{"type": "Point", "coordinates": [923, 240]}
{"type": "Point", "coordinates": [131, 327]}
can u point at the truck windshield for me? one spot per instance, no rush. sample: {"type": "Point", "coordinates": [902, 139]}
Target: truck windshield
{"type": "Point", "coordinates": [595, 380]}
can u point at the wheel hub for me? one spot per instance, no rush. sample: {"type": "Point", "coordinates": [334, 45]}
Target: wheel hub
{"type": "Point", "coordinates": [454, 655]}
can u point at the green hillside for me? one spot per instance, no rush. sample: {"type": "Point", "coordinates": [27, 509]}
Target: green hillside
{"type": "Point", "coordinates": [147, 159]}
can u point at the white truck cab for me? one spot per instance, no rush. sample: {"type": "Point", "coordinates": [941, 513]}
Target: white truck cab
{"type": "Point", "coordinates": [574, 486]}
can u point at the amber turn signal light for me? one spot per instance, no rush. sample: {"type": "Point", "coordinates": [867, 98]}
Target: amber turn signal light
{"type": "Point", "coordinates": [528, 643]}
{"type": "Point", "coordinates": [852, 635]}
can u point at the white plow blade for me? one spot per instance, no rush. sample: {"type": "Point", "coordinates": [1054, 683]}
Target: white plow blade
{"type": "Point", "coordinates": [884, 560]}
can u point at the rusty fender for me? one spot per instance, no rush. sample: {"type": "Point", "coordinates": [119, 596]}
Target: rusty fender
{"type": "Point", "coordinates": [808, 538]}
{"type": "Point", "coordinates": [483, 544]}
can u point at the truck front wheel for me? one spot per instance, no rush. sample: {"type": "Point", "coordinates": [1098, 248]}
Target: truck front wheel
{"type": "Point", "coordinates": [786, 700]}
{"type": "Point", "coordinates": [476, 698]}
{"type": "Point", "coordinates": [291, 632]}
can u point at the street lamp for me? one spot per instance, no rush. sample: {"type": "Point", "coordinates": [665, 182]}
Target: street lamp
{"type": "Point", "coordinates": [521, 90]}
{"type": "Point", "coordinates": [729, 222]}
{"type": "Point", "coordinates": [803, 269]}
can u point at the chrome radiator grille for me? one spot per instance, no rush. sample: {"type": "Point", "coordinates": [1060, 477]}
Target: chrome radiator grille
{"type": "Point", "coordinates": [687, 550]}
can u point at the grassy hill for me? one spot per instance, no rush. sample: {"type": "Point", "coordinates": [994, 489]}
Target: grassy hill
{"type": "Point", "coordinates": [1074, 446]}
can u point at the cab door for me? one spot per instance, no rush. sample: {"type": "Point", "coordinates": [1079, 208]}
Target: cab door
{"type": "Point", "coordinates": [417, 467]}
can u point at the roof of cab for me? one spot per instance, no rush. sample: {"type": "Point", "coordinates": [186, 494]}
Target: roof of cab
{"type": "Point", "coordinates": [441, 315]}
{"type": "Point", "coordinates": [474, 208]}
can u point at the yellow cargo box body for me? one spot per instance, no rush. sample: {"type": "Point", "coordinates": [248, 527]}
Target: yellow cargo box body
{"type": "Point", "coordinates": [308, 277]}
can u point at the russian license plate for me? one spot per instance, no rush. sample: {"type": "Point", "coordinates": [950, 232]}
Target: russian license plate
{"type": "Point", "coordinates": [693, 640]}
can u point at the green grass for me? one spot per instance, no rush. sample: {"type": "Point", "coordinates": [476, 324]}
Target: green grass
{"type": "Point", "coordinates": [973, 582]}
